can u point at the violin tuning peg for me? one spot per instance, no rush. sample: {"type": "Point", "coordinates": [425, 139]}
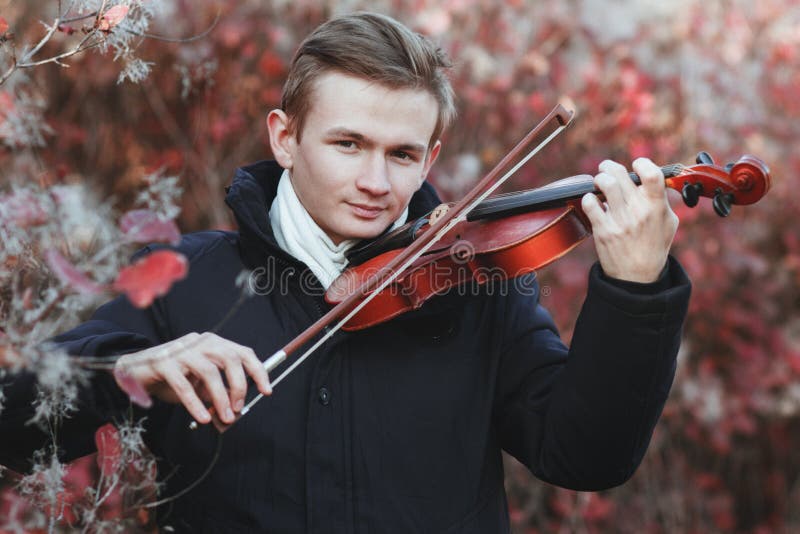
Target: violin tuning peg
{"type": "Point", "coordinates": [691, 193]}
{"type": "Point", "coordinates": [704, 158]}
{"type": "Point", "coordinates": [722, 203]}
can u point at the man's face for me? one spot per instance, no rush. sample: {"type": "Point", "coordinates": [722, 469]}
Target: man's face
{"type": "Point", "coordinates": [363, 153]}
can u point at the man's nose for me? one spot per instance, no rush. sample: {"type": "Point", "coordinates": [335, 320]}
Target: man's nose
{"type": "Point", "coordinates": [374, 177]}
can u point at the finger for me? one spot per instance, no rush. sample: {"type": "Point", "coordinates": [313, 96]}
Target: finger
{"type": "Point", "coordinates": [200, 389]}
{"type": "Point", "coordinates": [237, 382]}
{"type": "Point", "coordinates": [168, 351]}
{"type": "Point", "coordinates": [618, 171]}
{"type": "Point", "coordinates": [187, 395]}
{"type": "Point", "coordinates": [255, 368]}
{"type": "Point", "coordinates": [186, 343]}
{"type": "Point", "coordinates": [612, 191]}
{"type": "Point", "coordinates": [224, 355]}
{"type": "Point", "coordinates": [652, 178]}
{"type": "Point", "coordinates": [212, 380]}
{"type": "Point", "coordinates": [593, 210]}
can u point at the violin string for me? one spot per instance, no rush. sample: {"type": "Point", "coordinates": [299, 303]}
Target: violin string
{"type": "Point", "coordinates": [569, 190]}
{"type": "Point", "coordinates": [555, 193]}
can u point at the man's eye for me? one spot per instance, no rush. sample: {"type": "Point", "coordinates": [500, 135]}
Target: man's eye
{"type": "Point", "coordinates": [346, 144]}
{"type": "Point", "coordinates": [400, 154]}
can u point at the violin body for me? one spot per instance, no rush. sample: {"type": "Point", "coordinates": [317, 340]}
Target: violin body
{"type": "Point", "coordinates": [480, 251]}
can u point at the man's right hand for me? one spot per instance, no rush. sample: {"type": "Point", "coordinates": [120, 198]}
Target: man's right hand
{"type": "Point", "coordinates": [187, 370]}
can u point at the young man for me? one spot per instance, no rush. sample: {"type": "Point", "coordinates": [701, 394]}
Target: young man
{"type": "Point", "coordinates": [399, 427]}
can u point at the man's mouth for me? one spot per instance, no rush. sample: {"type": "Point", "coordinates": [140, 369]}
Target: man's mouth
{"type": "Point", "coordinates": [366, 211]}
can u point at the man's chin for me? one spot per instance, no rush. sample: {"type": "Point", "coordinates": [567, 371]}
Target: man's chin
{"type": "Point", "coordinates": [362, 231]}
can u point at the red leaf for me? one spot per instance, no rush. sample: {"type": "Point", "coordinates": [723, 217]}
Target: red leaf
{"type": "Point", "coordinates": [231, 33]}
{"type": "Point", "coordinates": [68, 274]}
{"type": "Point", "coordinates": [708, 481]}
{"type": "Point", "coordinates": [724, 520]}
{"type": "Point", "coordinates": [112, 17]}
{"type": "Point", "coordinates": [271, 65]}
{"type": "Point", "coordinates": [8, 355]}
{"type": "Point", "coordinates": [134, 389]}
{"type": "Point", "coordinates": [598, 508]}
{"type": "Point", "coordinates": [6, 104]}
{"type": "Point", "coordinates": [3, 26]}
{"type": "Point", "coordinates": [144, 226]}
{"type": "Point", "coordinates": [151, 276]}
{"type": "Point", "coordinates": [27, 299]}
{"type": "Point", "coordinates": [108, 449]}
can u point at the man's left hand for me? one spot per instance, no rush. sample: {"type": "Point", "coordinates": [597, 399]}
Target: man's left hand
{"type": "Point", "coordinates": [633, 229]}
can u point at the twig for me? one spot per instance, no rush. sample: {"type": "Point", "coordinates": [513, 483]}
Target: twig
{"type": "Point", "coordinates": [80, 17]}
{"type": "Point", "coordinates": [69, 8]}
{"type": "Point", "coordinates": [13, 67]}
{"type": "Point", "coordinates": [26, 62]}
{"type": "Point", "coordinates": [56, 59]}
{"type": "Point", "coordinates": [111, 487]}
{"type": "Point", "coordinates": [16, 64]}
{"type": "Point", "coordinates": [50, 307]}
{"type": "Point", "coordinates": [183, 39]}
{"type": "Point", "coordinates": [44, 40]}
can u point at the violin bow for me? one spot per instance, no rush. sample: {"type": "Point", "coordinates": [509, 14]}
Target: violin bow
{"type": "Point", "coordinates": [553, 124]}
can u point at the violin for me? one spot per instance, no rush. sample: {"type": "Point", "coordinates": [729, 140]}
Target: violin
{"type": "Point", "coordinates": [510, 235]}
{"type": "Point", "coordinates": [514, 233]}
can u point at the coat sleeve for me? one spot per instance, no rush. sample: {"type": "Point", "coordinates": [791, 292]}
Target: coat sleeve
{"type": "Point", "coordinates": [115, 328]}
{"type": "Point", "coordinates": [582, 417]}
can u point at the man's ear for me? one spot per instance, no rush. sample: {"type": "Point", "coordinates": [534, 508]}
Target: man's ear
{"type": "Point", "coordinates": [281, 139]}
{"type": "Point", "coordinates": [433, 153]}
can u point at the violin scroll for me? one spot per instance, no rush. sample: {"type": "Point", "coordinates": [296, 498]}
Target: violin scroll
{"type": "Point", "coordinates": [742, 182]}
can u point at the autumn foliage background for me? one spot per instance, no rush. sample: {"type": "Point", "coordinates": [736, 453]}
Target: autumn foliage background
{"type": "Point", "coordinates": [662, 80]}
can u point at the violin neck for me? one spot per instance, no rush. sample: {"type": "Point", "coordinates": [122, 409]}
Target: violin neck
{"type": "Point", "coordinates": [556, 194]}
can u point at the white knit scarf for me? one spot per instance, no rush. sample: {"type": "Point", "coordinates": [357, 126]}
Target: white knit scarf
{"type": "Point", "coordinates": [298, 234]}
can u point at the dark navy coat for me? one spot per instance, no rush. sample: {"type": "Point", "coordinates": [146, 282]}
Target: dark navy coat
{"type": "Point", "coordinates": [397, 428]}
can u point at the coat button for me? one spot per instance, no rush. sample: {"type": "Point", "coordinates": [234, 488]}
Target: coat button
{"type": "Point", "coordinates": [324, 396]}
